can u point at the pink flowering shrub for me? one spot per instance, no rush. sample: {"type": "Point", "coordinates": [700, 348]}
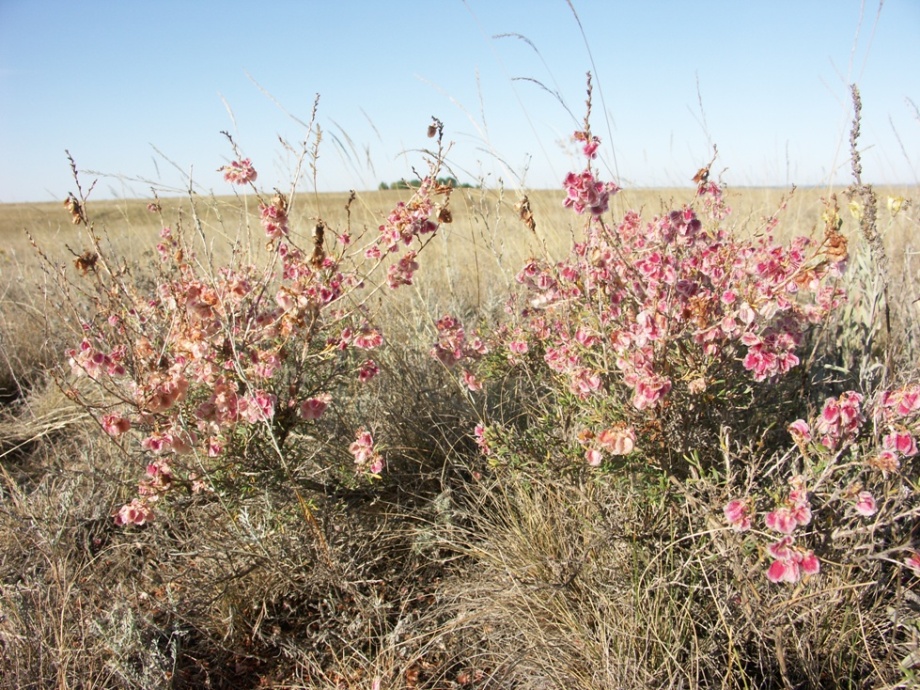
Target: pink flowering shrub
{"type": "Point", "coordinates": [209, 373]}
{"type": "Point", "coordinates": [651, 326]}
{"type": "Point", "coordinates": [656, 339]}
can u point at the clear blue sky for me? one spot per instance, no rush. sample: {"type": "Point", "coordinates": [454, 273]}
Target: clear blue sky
{"type": "Point", "coordinates": [110, 80]}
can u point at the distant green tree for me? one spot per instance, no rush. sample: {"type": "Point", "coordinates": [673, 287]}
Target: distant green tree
{"type": "Point", "coordinates": [403, 183]}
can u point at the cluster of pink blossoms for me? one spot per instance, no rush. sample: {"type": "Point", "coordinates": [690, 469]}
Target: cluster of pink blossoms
{"type": "Point", "coordinates": [789, 561]}
{"type": "Point", "coordinates": [840, 420]}
{"type": "Point", "coordinates": [115, 425]}
{"type": "Point", "coordinates": [137, 513]}
{"type": "Point", "coordinates": [479, 435]}
{"type": "Point", "coordinates": [899, 403]}
{"type": "Point", "coordinates": [408, 222]}
{"type": "Point", "coordinates": [368, 370]}
{"type": "Point", "coordinates": [897, 409]}
{"type": "Point", "coordinates": [592, 143]}
{"type": "Point", "coordinates": [365, 455]}
{"type": "Point", "coordinates": [836, 429]}
{"type": "Point", "coordinates": [620, 440]}
{"type": "Point", "coordinates": [91, 362]}
{"type": "Point", "coordinates": [453, 346]}
{"type": "Point", "coordinates": [274, 219]}
{"type": "Point", "coordinates": [239, 172]}
{"type": "Point", "coordinates": [584, 193]}
{"type": "Point", "coordinates": [738, 515]}
{"type": "Point", "coordinates": [795, 512]}
{"type": "Point", "coordinates": [313, 408]}
{"type": "Point", "coordinates": [402, 271]}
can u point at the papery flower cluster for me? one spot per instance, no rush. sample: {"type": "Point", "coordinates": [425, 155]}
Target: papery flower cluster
{"type": "Point", "coordinates": [158, 480]}
{"type": "Point", "coordinates": [710, 195]}
{"type": "Point", "coordinates": [402, 271]}
{"type": "Point", "coordinates": [590, 147]}
{"type": "Point", "coordinates": [239, 172]}
{"type": "Point", "coordinates": [115, 425]}
{"type": "Point", "coordinates": [840, 420]}
{"type": "Point", "coordinates": [469, 380]}
{"type": "Point", "coordinates": [901, 443]}
{"type": "Point", "coordinates": [898, 411]}
{"type": "Point", "coordinates": [864, 504]}
{"type": "Point", "coordinates": [670, 282]}
{"type": "Point", "coordinates": [453, 346]}
{"type": "Point", "coordinates": [368, 370]}
{"type": "Point", "coordinates": [89, 361]}
{"type": "Point", "coordinates": [789, 562]}
{"type": "Point", "coordinates": [137, 513]}
{"type": "Point", "coordinates": [409, 222]}
{"type": "Point", "coordinates": [585, 193]}
{"type": "Point", "coordinates": [365, 455]}
{"type": "Point", "coordinates": [838, 427]}
{"type": "Point", "coordinates": [274, 218]}
{"type": "Point", "coordinates": [738, 514]}
{"type": "Point", "coordinates": [256, 407]}
{"type": "Point", "coordinates": [613, 441]}
{"type": "Point", "coordinates": [795, 511]}
{"type": "Point", "coordinates": [479, 434]}
{"type": "Point", "coordinates": [313, 408]}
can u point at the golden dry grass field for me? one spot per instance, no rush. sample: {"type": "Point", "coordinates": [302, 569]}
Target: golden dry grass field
{"type": "Point", "coordinates": [486, 235]}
